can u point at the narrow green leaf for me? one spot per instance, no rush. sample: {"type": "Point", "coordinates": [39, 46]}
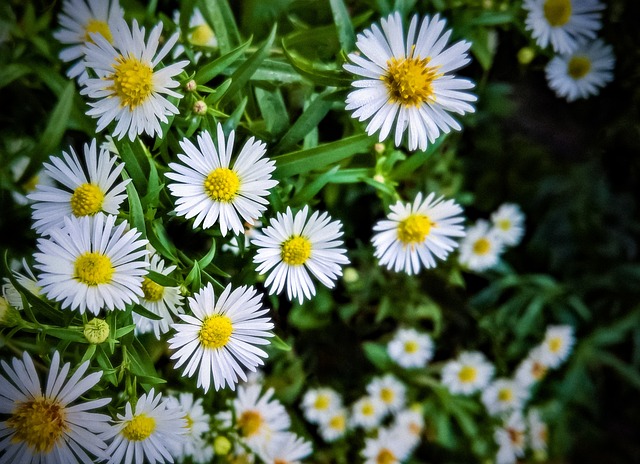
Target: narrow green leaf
{"type": "Point", "coordinates": [136, 213]}
{"type": "Point", "coordinates": [318, 74]}
{"type": "Point", "coordinates": [193, 278]}
{"type": "Point", "coordinates": [73, 335]}
{"type": "Point", "coordinates": [416, 159]}
{"type": "Point", "coordinates": [206, 259]}
{"type": "Point", "coordinates": [273, 110]}
{"type": "Point", "coordinates": [11, 72]}
{"type": "Point", "coordinates": [88, 354]}
{"type": "Point", "coordinates": [220, 17]}
{"type": "Point", "coordinates": [377, 354]}
{"type": "Point", "coordinates": [122, 331]}
{"type": "Point", "coordinates": [141, 363]}
{"type": "Point", "coordinates": [162, 279]}
{"type": "Point", "coordinates": [132, 163]}
{"type": "Point", "coordinates": [215, 97]}
{"type": "Point", "coordinates": [211, 70]}
{"type": "Point", "coordinates": [280, 344]}
{"type": "Point", "coordinates": [144, 312]}
{"type": "Point", "coordinates": [311, 189]}
{"type": "Point", "coordinates": [159, 239]}
{"type": "Point", "coordinates": [343, 24]}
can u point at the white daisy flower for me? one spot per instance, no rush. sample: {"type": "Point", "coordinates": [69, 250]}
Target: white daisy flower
{"type": "Point", "coordinates": [27, 186]}
{"type": "Point", "coordinates": [86, 188]}
{"type": "Point", "coordinates": [510, 439]}
{"type": "Point", "coordinates": [334, 425]}
{"type": "Point", "coordinates": [538, 431]}
{"type": "Point", "coordinates": [127, 87]}
{"type": "Point", "coordinates": [504, 396]}
{"type": "Point", "coordinates": [367, 412]}
{"type": "Point", "coordinates": [387, 447]}
{"type": "Point", "coordinates": [389, 390]}
{"type": "Point", "coordinates": [165, 302]}
{"type": "Point", "coordinates": [92, 264]}
{"type": "Point", "coordinates": [197, 423]}
{"type": "Point", "coordinates": [563, 23]}
{"type": "Point", "coordinates": [29, 281]}
{"type": "Point", "coordinates": [410, 424]}
{"type": "Point", "coordinates": [79, 20]}
{"type": "Point", "coordinates": [531, 369]}
{"type": "Point", "coordinates": [250, 231]}
{"type": "Point", "coordinates": [583, 72]}
{"type": "Point", "coordinates": [481, 248]}
{"type": "Point", "coordinates": [468, 373]}
{"type": "Point", "coordinates": [43, 426]}
{"type": "Point", "coordinates": [413, 233]}
{"type": "Point", "coordinates": [200, 34]}
{"type": "Point", "coordinates": [285, 448]}
{"type": "Point", "coordinates": [211, 189]}
{"type": "Point", "coordinates": [202, 451]}
{"type": "Point", "coordinates": [409, 82]}
{"type": "Point", "coordinates": [508, 223]}
{"type": "Point", "coordinates": [293, 246]}
{"type": "Point", "coordinates": [557, 344]}
{"type": "Point", "coordinates": [410, 348]}
{"type": "Point", "coordinates": [152, 432]}
{"type": "Point", "coordinates": [319, 403]}
{"type": "Point", "coordinates": [219, 340]}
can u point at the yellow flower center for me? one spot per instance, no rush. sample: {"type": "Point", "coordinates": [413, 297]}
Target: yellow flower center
{"type": "Point", "coordinates": [86, 200]}
{"type": "Point", "coordinates": [555, 344]}
{"type": "Point", "coordinates": [337, 422]}
{"type": "Point", "coordinates": [201, 35]}
{"type": "Point", "coordinates": [409, 80]}
{"type": "Point", "coordinates": [139, 428]}
{"type": "Point", "coordinates": [505, 395]}
{"type": "Point", "coordinates": [216, 331]}
{"type": "Point", "coordinates": [482, 246]}
{"type": "Point", "coordinates": [295, 251]}
{"type": "Point", "coordinates": [414, 229]}
{"type": "Point", "coordinates": [97, 26]}
{"type": "Point", "coordinates": [367, 409]}
{"type": "Point", "coordinates": [39, 423]}
{"type": "Point", "coordinates": [387, 395]}
{"type": "Point", "coordinates": [467, 374]}
{"type": "Point", "coordinates": [152, 291]}
{"type": "Point", "coordinates": [249, 423]}
{"type": "Point", "coordinates": [93, 269]}
{"type": "Point", "coordinates": [504, 224]}
{"type": "Point", "coordinates": [132, 81]}
{"type": "Point", "coordinates": [222, 184]}
{"type": "Point", "coordinates": [578, 66]}
{"type": "Point", "coordinates": [189, 421]}
{"type": "Point", "coordinates": [386, 457]}
{"type": "Point", "coordinates": [557, 12]}
{"type": "Point", "coordinates": [322, 402]}
{"type": "Point", "coordinates": [411, 346]}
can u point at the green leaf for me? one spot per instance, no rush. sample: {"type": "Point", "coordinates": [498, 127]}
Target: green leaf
{"type": "Point", "coordinates": [132, 163]}
{"type": "Point", "coordinates": [343, 24]}
{"type": "Point", "coordinates": [162, 279]}
{"type": "Point", "coordinates": [159, 239]}
{"type": "Point", "coordinates": [220, 17]}
{"type": "Point", "coordinates": [206, 259]}
{"type": "Point", "coordinates": [122, 331]}
{"type": "Point", "coordinates": [377, 354]}
{"type": "Point", "coordinates": [318, 74]}
{"type": "Point", "coordinates": [73, 335]}
{"type": "Point", "coordinates": [304, 161]}
{"type": "Point", "coordinates": [193, 278]}
{"type": "Point", "coordinates": [141, 363]}
{"type": "Point", "coordinates": [626, 371]}
{"type": "Point", "coordinates": [136, 213]}
{"type": "Point", "coordinates": [144, 312]}
{"type": "Point", "coordinates": [279, 343]}
{"type": "Point", "coordinates": [91, 350]}
{"type": "Point", "coordinates": [11, 72]}
{"type": "Point", "coordinates": [273, 110]}
{"type": "Point", "coordinates": [211, 70]}
{"type": "Point", "coordinates": [416, 159]}
{"type": "Point", "coordinates": [306, 194]}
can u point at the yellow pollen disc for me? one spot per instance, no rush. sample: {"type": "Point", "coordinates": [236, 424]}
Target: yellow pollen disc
{"type": "Point", "coordinates": [189, 421]}
{"type": "Point", "coordinates": [386, 457]}
{"type": "Point", "coordinates": [201, 35]}
{"type": "Point", "coordinates": [39, 423]}
{"type": "Point", "coordinates": [337, 422]}
{"type": "Point", "coordinates": [367, 410]}
{"type": "Point", "coordinates": [152, 291]}
{"type": "Point", "coordinates": [409, 81]}
{"type": "Point", "coordinates": [249, 423]}
{"type": "Point", "coordinates": [578, 66]}
{"type": "Point", "coordinates": [505, 395]}
{"type": "Point", "coordinates": [538, 370]}
{"type": "Point", "coordinates": [482, 246]}
{"type": "Point", "coordinates": [387, 395]}
{"type": "Point", "coordinates": [410, 347]}
{"type": "Point", "coordinates": [414, 229]}
{"type": "Point", "coordinates": [467, 374]}
{"type": "Point", "coordinates": [295, 251]}
{"type": "Point", "coordinates": [222, 185]}
{"type": "Point", "coordinates": [322, 402]}
{"type": "Point", "coordinates": [216, 331]}
{"type": "Point", "coordinates": [557, 12]}
{"type": "Point", "coordinates": [93, 269]}
{"type": "Point", "coordinates": [86, 200]}
{"type": "Point", "coordinates": [139, 428]}
{"type": "Point", "coordinates": [555, 344]}
{"type": "Point", "coordinates": [504, 224]}
{"type": "Point", "coordinates": [132, 81]}
{"type": "Point", "coordinates": [101, 27]}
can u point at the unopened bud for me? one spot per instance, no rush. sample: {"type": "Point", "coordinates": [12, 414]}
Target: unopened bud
{"type": "Point", "coordinates": [96, 331]}
{"type": "Point", "coordinates": [351, 275]}
{"type": "Point", "coordinates": [379, 147]}
{"type": "Point", "coordinates": [191, 86]}
{"type": "Point", "coordinates": [526, 55]}
{"type": "Point", "coordinates": [200, 107]}
{"type": "Point", "coordinates": [221, 446]}
{"type": "Point", "coordinates": [9, 316]}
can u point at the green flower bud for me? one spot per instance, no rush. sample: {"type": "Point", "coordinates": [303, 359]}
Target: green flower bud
{"type": "Point", "coordinates": [9, 316]}
{"type": "Point", "coordinates": [96, 331]}
{"type": "Point", "coordinates": [221, 445]}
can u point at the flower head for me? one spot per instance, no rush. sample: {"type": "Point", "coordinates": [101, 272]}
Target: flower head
{"type": "Point", "coordinates": [210, 188]}
{"type": "Point", "coordinates": [407, 82]}
{"type": "Point", "coordinates": [334, 425]}
{"type": "Point", "coordinates": [410, 348]}
{"type": "Point", "coordinates": [319, 403]}
{"type": "Point", "coordinates": [508, 223]}
{"type": "Point", "coordinates": [285, 448]}
{"type": "Point", "coordinates": [413, 234]}
{"type": "Point", "coordinates": [504, 396]}
{"type": "Point", "coordinates": [388, 447]}
{"type": "Point", "coordinates": [468, 373]}
{"type": "Point", "coordinates": [481, 248]}
{"type": "Point", "coordinates": [196, 424]}
{"type": "Point", "coordinates": [367, 412]}
{"type": "Point", "coordinates": [389, 390]}
{"type": "Point", "coordinates": [128, 88]}
{"type": "Point", "coordinates": [511, 439]}
{"type": "Point", "coordinates": [293, 246]}
{"type": "Point", "coordinates": [557, 344]}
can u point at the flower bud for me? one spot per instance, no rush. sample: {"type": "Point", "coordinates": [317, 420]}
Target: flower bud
{"type": "Point", "coordinates": [221, 445]}
{"type": "Point", "coordinates": [96, 331]}
{"type": "Point", "coordinates": [191, 86]}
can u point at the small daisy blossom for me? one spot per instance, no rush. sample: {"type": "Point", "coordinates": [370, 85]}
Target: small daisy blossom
{"type": "Point", "coordinates": [293, 246]}
{"type": "Point", "coordinates": [409, 82]}
{"type": "Point", "coordinates": [285, 448]}
{"type": "Point", "coordinates": [508, 223]}
{"type": "Point", "coordinates": [334, 425]}
{"type": "Point", "coordinates": [92, 264]}
{"type": "Point", "coordinates": [152, 432]}
{"type": "Point", "coordinates": [43, 426]}
{"type": "Point", "coordinates": [29, 281]}
{"type": "Point", "coordinates": [468, 373]}
{"type": "Point", "coordinates": [531, 369]}
{"type": "Point", "coordinates": [388, 446]}
{"type": "Point", "coordinates": [563, 23]}
{"type": "Point", "coordinates": [557, 344]}
{"type": "Point", "coordinates": [511, 439]}
{"type": "Point", "coordinates": [481, 248]}
{"type": "Point", "coordinates": [200, 34]}
{"type": "Point", "coordinates": [127, 88]}
{"type": "Point", "coordinates": [410, 424]}
{"type": "Point", "coordinates": [367, 412]}
{"type": "Point", "coordinates": [210, 188]}
{"type": "Point", "coordinates": [410, 348]}
{"type": "Point", "coordinates": [504, 396]}
{"type": "Point", "coordinates": [196, 422]}
{"type": "Point", "coordinates": [80, 194]}
{"type": "Point", "coordinates": [319, 403]}
{"type": "Point", "coordinates": [413, 233]}
{"type": "Point", "coordinates": [538, 431]}
{"type": "Point", "coordinates": [389, 390]}
{"type": "Point", "coordinates": [219, 340]}
{"type": "Point", "coordinates": [583, 72]}
{"type": "Point", "coordinates": [79, 20]}
{"type": "Point", "coordinates": [165, 302]}
{"type": "Point", "coordinates": [26, 186]}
